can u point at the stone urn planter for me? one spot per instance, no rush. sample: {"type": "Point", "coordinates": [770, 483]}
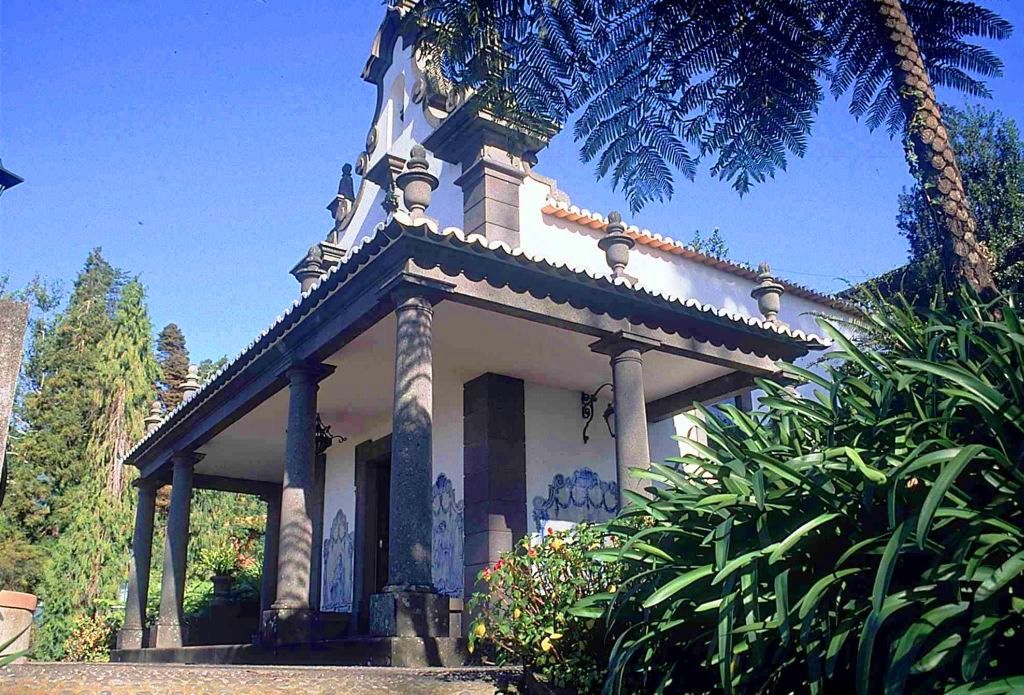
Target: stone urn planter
{"type": "Point", "coordinates": [17, 610]}
{"type": "Point", "coordinates": [221, 588]}
{"type": "Point", "coordinates": [533, 686]}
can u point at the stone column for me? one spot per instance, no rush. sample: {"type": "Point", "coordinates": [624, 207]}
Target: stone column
{"type": "Point", "coordinates": [172, 588]}
{"type": "Point", "coordinates": [271, 538]}
{"type": "Point", "coordinates": [131, 633]}
{"type": "Point", "coordinates": [290, 618]}
{"type": "Point", "coordinates": [409, 605]}
{"type": "Point", "coordinates": [632, 447]}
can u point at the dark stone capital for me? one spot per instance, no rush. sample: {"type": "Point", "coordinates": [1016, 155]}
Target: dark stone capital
{"type": "Point", "coordinates": [305, 372]}
{"type": "Point", "coordinates": [406, 287]}
{"type": "Point", "coordinates": [616, 344]}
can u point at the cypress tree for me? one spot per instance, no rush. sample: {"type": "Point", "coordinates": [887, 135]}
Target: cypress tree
{"type": "Point", "coordinates": [90, 559]}
{"type": "Point", "coordinates": [59, 379]}
{"type": "Point", "coordinates": [173, 357]}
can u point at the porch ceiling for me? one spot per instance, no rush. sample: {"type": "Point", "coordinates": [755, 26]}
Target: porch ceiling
{"type": "Point", "coordinates": [356, 399]}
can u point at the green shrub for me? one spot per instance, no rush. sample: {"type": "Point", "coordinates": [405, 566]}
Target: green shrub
{"type": "Point", "coordinates": [93, 634]}
{"type": "Point", "coordinates": [871, 536]}
{"type": "Point", "coordinates": [525, 615]}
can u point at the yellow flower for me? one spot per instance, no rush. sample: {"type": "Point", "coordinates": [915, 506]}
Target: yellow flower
{"type": "Point", "coordinates": [557, 543]}
{"type": "Point", "coordinates": [516, 613]}
{"type": "Point", "coordinates": [480, 630]}
{"type": "Point", "coordinates": [613, 588]}
{"type": "Point", "coordinates": [556, 635]}
{"type": "Point", "coordinates": [545, 645]}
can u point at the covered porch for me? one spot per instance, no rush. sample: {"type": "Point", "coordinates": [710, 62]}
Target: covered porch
{"type": "Point", "coordinates": [454, 375]}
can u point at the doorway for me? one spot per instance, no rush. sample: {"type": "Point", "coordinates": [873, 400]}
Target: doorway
{"type": "Point", "coordinates": [372, 525]}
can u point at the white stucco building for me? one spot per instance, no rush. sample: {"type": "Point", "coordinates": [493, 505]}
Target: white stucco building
{"type": "Point", "coordinates": [454, 326]}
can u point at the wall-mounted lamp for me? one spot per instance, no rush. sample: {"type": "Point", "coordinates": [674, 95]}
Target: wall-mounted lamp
{"type": "Point", "coordinates": [324, 438]}
{"type": "Point", "coordinates": [587, 401]}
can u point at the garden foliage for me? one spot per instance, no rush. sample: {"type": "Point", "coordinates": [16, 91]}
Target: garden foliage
{"type": "Point", "coordinates": [525, 616]}
{"type": "Point", "coordinates": [871, 535]}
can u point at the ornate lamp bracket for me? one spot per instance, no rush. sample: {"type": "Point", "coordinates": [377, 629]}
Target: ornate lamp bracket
{"type": "Point", "coordinates": [324, 438]}
{"type": "Point", "coordinates": [587, 401]}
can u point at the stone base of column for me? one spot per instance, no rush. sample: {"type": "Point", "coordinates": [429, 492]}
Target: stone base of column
{"type": "Point", "coordinates": [409, 614]}
{"type": "Point", "coordinates": [289, 626]}
{"type": "Point", "coordinates": [131, 638]}
{"type": "Point", "coordinates": [166, 635]}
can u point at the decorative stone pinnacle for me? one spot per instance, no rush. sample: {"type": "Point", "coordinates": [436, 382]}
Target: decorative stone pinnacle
{"type": "Point", "coordinates": [309, 269]}
{"type": "Point", "coordinates": [768, 293]}
{"type": "Point", "coordinates": [616, 245]}
{"type": "Point", "coordinates": [155, 416]}
{"type": "Point", "coordinates": [191, 384]}
{"type": "Point", "coordinates": [416, 182]}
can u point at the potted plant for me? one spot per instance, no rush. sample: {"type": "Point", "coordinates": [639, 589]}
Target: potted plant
{"type": "Point", "coordinates": [222, 561]}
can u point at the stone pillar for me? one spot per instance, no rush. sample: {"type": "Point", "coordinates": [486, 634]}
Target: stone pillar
{"type": "Point", "coordinates": [172, 589]}
{"type": "Point", "coordinates": [494, 466]}
{"type": "Point", "coordinates": [290, 618]}
{"type": "Point", "coordinates": [271, 538]}
{"type": "Point", "coordinates": [632, 447]}
{"type": "Point", "coordinates": [131, 633]}
{"type": "Point", "coordinates": [409, 605]}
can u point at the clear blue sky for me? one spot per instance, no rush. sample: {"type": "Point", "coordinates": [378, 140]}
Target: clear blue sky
{"type": "Point", "coordinates": [198, 142]}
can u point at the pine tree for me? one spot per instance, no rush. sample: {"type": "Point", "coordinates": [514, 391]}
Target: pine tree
{"type": "Point", "coordinates": [173, 357]}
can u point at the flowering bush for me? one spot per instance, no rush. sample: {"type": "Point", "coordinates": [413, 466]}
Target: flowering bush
{"type": "Point", "coordinates": [527, 615]}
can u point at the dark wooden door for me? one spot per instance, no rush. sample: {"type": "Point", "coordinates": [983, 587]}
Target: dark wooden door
{"type": "Point", "coordinates": [383, 523]}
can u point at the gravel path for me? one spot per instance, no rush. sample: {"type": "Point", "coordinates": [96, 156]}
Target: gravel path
{"type": "Point", "coordinates": [173, 679]}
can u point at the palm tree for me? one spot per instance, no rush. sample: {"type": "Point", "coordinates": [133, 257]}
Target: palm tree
{"type": "Point", "coordinates": [657, 86]}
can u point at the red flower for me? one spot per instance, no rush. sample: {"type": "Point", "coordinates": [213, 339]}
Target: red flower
{"type": "Point", "coordinates": [498, 564]}
{"type": "Point", "coordinates": [531, 552]}
{"type": "Point", "coordinates": [551, 531]}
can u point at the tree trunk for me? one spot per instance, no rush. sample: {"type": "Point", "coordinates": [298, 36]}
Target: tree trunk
{"type": "Point", "coordinates": [932, 158]}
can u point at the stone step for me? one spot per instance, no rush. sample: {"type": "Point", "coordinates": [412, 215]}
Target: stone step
{"type": "Point", "coordinates": [183, 679]}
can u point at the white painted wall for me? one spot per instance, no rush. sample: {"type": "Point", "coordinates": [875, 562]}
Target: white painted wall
{"type": "Point", "coordinates": [576, 245]}
{"type": "Point", "coordinates": [554, 444]}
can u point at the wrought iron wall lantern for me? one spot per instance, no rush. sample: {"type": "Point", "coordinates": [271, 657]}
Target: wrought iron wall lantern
{"type": "Point", "coordinates": [587, 401]}
{"type": "Point", "coordinates": [324, 438]}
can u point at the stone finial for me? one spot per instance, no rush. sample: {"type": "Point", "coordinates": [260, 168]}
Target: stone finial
{"type": "Point", "coordinates": [155, 416]}
{"type": "Point", "coordinates": [309, 269]}
{"type": "Point", "coordinates": [346, 188]}
{"type": "Point", "coordinates": [416, 182]}
{"type": "Point", "coordinates": [191, 384]}
{"type": "Point", "coordinates": [342, 203]}
{"type": "Point", "coordinates": [768, 293]}
{"type": "Point", "coordinates": [616, 245]}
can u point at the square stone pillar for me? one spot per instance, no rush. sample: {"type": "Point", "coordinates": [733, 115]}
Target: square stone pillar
{"type": "Point", "coordinates": [490, 194]}
{"type": "Point", "coordinates": [494, 465]}
{"type": "Point", "coordinates": [291, 619]}
{"type": "Point", "coordinates": [168, 630]}
{"type": "Point", "coordinates": [409, 605]}
{"type": "Point", "coordinates": [495, 157]}
{"type": "Point", "coordinates": [632, 446]}
{"type": "Point", "coordinates": [131, 635]}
